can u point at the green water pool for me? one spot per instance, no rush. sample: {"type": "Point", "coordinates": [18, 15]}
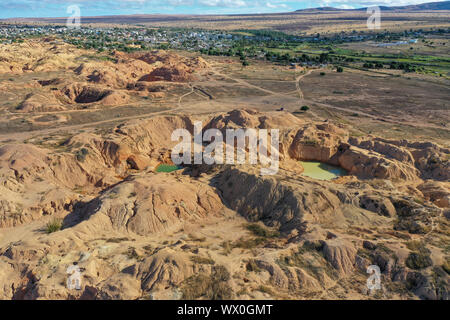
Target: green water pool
{"type": "Point", "coordinates": [167, 168]}
{"type": "Point", "coordinates": [322, 171]}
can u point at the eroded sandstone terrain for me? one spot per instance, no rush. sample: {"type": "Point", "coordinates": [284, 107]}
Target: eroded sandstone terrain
{"type": "Point", "coordinates": [209, 231]}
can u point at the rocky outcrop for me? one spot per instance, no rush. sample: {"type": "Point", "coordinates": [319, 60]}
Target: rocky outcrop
{"type": "Point", "coordinates": [81, 93]}
{"type": "Point", "coordinates": [368, 164]}
{"type": "Point", "coordinates": [167, 268]}
{"type": "Point", "coordinates": [116, 211]}
{"type": "Point", "coordinates": [436, 192]}
{"type": "Point", "coordinates": [377, 203]}
{"type": "Point", "coordinates": [341, 254]}
{"type": "Point", "coordinates": [250, 118]}
{"type": "Point", "coordinates": [155, 203]}
{"type": "Point", "coordinates": [128, 69]}
{"type": "Point", "coordinates": [277, 204]}
{"type": "Point", "coordinates": [45, 102]}
{"type": "Point", "coordinates": [322, 142]}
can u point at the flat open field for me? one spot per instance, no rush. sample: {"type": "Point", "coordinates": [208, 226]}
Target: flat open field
{"type": "Point", "coordinates": [395, 105]}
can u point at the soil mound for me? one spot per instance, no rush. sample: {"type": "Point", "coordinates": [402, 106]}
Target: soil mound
{"type": "Point", "coordinates": [37, 56]}
{"type": "Point", "coordinates": [128, 69]}
{"type": "Point", "coordinates": [170, 74]}
{"type": "Point", "coordinates": [82, 93]}
{"type": "Point", "coordinates": [249, 118]}
{"type": "Point", "coordinates": [40, 102]}
{"type": "Point", "coordinates": [155, 203]}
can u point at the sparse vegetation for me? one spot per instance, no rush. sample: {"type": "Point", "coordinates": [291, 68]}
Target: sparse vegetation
{"type": "Point", "coordinates": [304, 108]}
{"type": "Point", "coordinates": [446, 266]}
{"type": "Point", "coordinates": [310, 142]}
{"type": "Point", "coordinates": [265, 289]}
{"type": "Point", "coordinates": [261, 231]}
{"type": "Point", "coordinates": [308, 259]}
{"type": "Point", "coordinates": [202, 260]}
{"type": "Point", "coordinates": [81, 154]}
{"type": "Point", "coordinates": [252, 266]}
{"type": "Point", "coordinates": [210, 287]}
{"type": "Point", "coordinates": [248, 243]}
{"type": "Point", "coordinates": [131, 253]}
{"type": "Point", "coordinates": [418, 260]}
{"type": "Point", "coordinates": [53, 226]}
{"type": "Point", "coordinates": [177, 231]}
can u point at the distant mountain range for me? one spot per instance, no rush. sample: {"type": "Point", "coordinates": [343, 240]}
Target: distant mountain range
{"type": "Point", "coordinates": [441, 5]}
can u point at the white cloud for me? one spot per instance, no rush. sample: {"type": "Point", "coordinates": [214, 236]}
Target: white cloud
{"type": "Point", "coordinates": [345, 6]}
{"type": "Point", "coordinates": [276, 5]}
{"type": "Point", "coordinates": [223, 3]}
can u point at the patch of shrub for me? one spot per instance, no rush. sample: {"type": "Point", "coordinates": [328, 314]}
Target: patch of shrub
{"type": "Point", "coordinates": [252, 266]}
{"type": "Point", "coordinates": [418, 260]}
{"type": "Point", "coordinates": [417, 246]}
{"type": "Point", "coordinates": [261, 231]}
{"type": "Point", "coordinates": [304, 108]}
{"type": "Point", "coordinates": [265, 289]}
{"type": "Point", "coordinates": [53, 226]}
{"type": "Point", "coordinates": [81, 154]}
{"type": "Point", "coordinates": [227, 247]}
{"type": "Point", "coordinates": [132, 254]}
{"type": "Point", "coordinates": [446, 266]}
{"type": "Point", "coordinates": [248, 243]}
{"type": "Point", "coordinates": [310, 142]}
{"type": "Point", "coordinates": [202, 260]}
{"type": "Point", "coordinates": [209, 287]}
{"type": "Point", "coordinates": [312, 246]}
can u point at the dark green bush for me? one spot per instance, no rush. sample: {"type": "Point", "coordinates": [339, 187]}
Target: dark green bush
{"type": "Point", "coordinates": [418, 260]}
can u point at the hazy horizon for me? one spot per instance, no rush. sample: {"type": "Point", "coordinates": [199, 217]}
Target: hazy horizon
{"type": "Point", "coordinates": [58, 8]}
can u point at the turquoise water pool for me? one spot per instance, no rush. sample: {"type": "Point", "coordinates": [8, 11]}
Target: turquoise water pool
{"type": "Point", "coordinates": [167, 168]}
{"type": "Point", "coordinates": [322, 171]}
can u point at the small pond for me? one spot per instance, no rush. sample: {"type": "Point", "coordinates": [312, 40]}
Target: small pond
{"type": "Point", "coordinates": [322, 171]}
{"type": "Point", "coordinates": [167, 168]}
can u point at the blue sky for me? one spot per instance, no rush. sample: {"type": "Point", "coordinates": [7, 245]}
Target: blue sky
{"type": "Point", "coordinates": [58, 8]}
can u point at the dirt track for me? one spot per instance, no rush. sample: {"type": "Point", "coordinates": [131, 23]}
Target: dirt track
{"type": "Point", "coordinates": [22, 136]}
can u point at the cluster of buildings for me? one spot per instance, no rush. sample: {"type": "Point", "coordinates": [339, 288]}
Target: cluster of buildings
{"type": "Point", "coordinates": [177, 39]}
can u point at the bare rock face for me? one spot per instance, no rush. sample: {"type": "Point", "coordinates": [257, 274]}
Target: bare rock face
{"type": "Point", "coordinates": [166, 268]}
{"type": "Point", "coordinates": [118, 287]}
{"type": "Point", "coordinates": [341, 254]}
{"type": "Point", "coordinates": [125, 205]}
{"type": "Point", "coordinates": [37, 56]}
{"type": "Point", "coordinates": [129, 69]}
{"type": "Point", "coordinates": [44, 102]}
{"type": "Point", "coordinates": [320, 142]}
{"type": "Point", "coordinates": [378, 204]}
{"type": "Point", "coordinates": [82, 93]}
{"type": "Point", "coordinates": [367, 164]}
{"type": "Point", "coordinates": [170, 74]}
{"type": "Point", "coordinates": [8, 276]}
{"type": "Point", "coordinates": [277, 204]}
{"type": "Point", "coordinates": [381, 146]}
{"type": "Point", "coordinates": [436, 192]}
{"type": "Point", "coordinates": [250, 118]}
{"type": "Point", "coordinates": [153, 134]}
{"type": "Point", "coordinates": [155, 203]}
{"type": "Point", "coordinates": [114, 75]}
{"type": "Point", "coordinates": [277, 276]}
{"type": "Point", "coordinates": [414, 217]}
{"type": "Point", "coordinates": [290, 278]}
{"type": "Point", "coordinates": [26, 169]}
